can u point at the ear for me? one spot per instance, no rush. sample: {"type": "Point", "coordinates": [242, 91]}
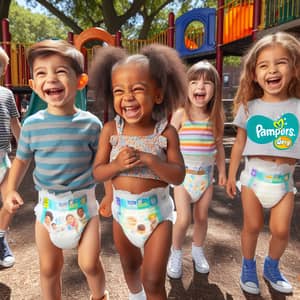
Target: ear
{"type": "Point", "coordinates": [159, 97]}
{"type": "Point", "coordinates": [82, 81]}
{"type": "Point", "coordinates": [31, 84]}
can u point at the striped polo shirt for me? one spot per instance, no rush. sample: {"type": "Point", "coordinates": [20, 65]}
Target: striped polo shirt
{"type": "Point", "coordinates": [197, 139]}
{"type": "Point", "coordinates": [63, 148]}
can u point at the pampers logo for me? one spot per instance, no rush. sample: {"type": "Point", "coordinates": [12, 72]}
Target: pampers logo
{"type": "Point", "coordinates": [282, 132]}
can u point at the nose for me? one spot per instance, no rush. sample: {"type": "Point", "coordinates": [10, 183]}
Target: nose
{"type": "Point", "coordinates": [51, 77]}
{"type": "Point", "coordinates": [200, 84]}
{"type": "Point", "coordinates": [273, 69]}
{"type": "Point", "coordinates": [128, 95]}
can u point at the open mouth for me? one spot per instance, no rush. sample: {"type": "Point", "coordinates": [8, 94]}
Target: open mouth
{"type": "Point", "coordinates": [273, 81]}
{"type": "Point", "coordinates": [131, 111]}
{"type": "Point", "coordinates": [52, 92]}
{"type": "Point", "coordinates": [199, 96]}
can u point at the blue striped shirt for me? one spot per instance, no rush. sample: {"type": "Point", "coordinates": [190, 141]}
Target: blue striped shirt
{"type": "Point", "coordinates": [63, 148]}
{"type": "Point", "coordinates": [8, 110]}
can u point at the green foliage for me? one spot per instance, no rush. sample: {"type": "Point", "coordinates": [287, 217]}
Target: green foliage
{"type": "Point", "coordinates": [27, 27]}
{"type": "Point", "coordinates": [232, 61]}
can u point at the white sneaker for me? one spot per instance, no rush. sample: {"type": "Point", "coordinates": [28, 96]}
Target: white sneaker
{"type": "Point", "coordinates": [201, 264]}
{"type": "Point", "coordinates": [138, 296]}
{"type": "Point", "coordinates": [174, 267]}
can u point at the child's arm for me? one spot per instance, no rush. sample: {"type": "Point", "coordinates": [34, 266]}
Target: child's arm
{"type": "Point", "coordinates": [235, 158]}
{"type": "Point", "coordinates": [177, 118]}
{"type": "Point", "coordinates": [12, 199]}
{"type": "Point", "coordinates": [105, 205]}
{"type": "Point", "coordinates": [172, 170]}
{"type": "Point", "coordinates": [15, 127]}
{"type": "Point", "coordinates": [220, 162]}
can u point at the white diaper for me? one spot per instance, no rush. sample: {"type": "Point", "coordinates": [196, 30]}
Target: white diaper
{"type": "Point", "coordinates": [139, 214]}
{"type": "Point", "coordinates": [66, 215]}
{"type": "Point", "coordinates": [269, 181]}
{"type": "Point", "coordinates": [199, 176]}
{"type": "Point", "coordinates": [5, 164]}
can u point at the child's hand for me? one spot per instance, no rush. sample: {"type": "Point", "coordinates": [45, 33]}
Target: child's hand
{"type": "Point", "coordinates": [231, 188]}
{"type": "Point", "coordinates": [12, 202]}
{"type": "Point", "coordinates": [127, 158]}
{"type": "Point", "coordinates": [105, 207]}
{"type": "Point", "coordinates": [222, 179]}
{"type": "Point", "coordinates": [145, 158]}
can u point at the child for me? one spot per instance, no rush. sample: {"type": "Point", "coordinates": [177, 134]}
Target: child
{"type": "Point", "coordinates": [268, 137]}
{"type": "Point", "coordinates": [200, 126]}
{"type": "Point", "coordinates": [139, 152]}
{"type": "Point", "coordinates": [63, 141]}
{"type": "Point", "coordinates": [8, 122]}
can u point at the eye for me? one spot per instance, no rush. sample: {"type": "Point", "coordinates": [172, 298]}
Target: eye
{"type": "Point", "coordinates": [208, 82]}
{"type": "Point", "coordinates": [282, 62]}
{"type": "Point", "coordinates": [39, 74]}
{"type": "Point", "coordinates": [262, 66]}
{"type": "Point", "coordinates": [118, 91]}
{"type": "Point", "coordinates": [193, 82]}
{"type": "Point", "coordinates": [136, 89]}
{"type": "Point", "coordinates": [61, 71]}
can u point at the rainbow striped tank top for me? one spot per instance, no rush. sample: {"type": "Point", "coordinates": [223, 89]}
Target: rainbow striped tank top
{"type": "Point", "coordinates": [197, 139]}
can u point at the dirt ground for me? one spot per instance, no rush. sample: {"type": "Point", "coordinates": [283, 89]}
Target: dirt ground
{"type": "Point", "coordinates": [222, 250]}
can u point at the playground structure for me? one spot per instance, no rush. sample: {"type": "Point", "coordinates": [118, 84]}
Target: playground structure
{"type": "Point", "coordinates": [202, 33]}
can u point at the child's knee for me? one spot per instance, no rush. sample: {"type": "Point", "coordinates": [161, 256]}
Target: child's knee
{"type": "Point", "coordinates": [90, 267]}
{"type": "Point", "coordinates": [280, 232]}
{"type": "Point", "coordinates": [183, 221]}
{"type": "Point", "coordinates": [51, 270]}
{"type": "Point", "coordinates": [153, 283]}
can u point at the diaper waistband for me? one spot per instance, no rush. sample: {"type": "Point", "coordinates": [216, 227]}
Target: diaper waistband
{"type": "Point", "coordinates": [271, 178]}
{"type": "Point", "coordinates": [198, 171]}
{"type": "Point", "coordinates": [140, 201]}
{"type": "Point", "coordinates": [65, 201]}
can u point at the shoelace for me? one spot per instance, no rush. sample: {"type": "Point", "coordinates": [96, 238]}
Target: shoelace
{"type": "Point", "coordinates": [175, 260]}
{"type": "Point", "coordinates": [274, 273]}
{"type": "Point", "coordinates": [249, 273]}
{"type": "Point", "coordinates": [200, 259]}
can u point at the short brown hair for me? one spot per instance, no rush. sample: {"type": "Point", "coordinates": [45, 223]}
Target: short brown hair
{"type": "Point", "coordinates": [59, 47]}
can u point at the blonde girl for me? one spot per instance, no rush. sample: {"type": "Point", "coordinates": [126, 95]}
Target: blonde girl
{"type": "Point", "coordinates": [267, 119]}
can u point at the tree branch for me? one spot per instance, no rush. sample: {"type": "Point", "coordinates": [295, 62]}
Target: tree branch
{"type": "Point", "coordinates": [66, 20]}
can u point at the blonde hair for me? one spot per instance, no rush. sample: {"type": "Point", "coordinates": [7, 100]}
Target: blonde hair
{"type": "Point", "coordinates": [215, 105]}
{"type": "Point", "coordinates": [248, 88]}
{"type": "Point", "coordinates": [4, 60]}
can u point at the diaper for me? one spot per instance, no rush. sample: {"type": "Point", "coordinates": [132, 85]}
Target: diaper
{"type": "Point", "coordinates": [5, 164]}
{"type": "Point", "coordinates": [199, 176]}
{"type": "Point", "coordinates": [269, 181]}
{"type": "Point", "coordinates": [66, 215]}
{"type": "Point", "coordinates": [139, 214]}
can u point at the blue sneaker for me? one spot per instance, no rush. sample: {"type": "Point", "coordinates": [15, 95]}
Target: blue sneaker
{"type": "Point", "coordinates": [249, 280]}
{"type": "Point", "coordinates": [274, 276]}
{"type": "Point", "coordinates": [6, 257]}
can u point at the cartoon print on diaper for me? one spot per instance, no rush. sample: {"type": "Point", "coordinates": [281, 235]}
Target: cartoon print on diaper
{"type": "Point", "coordinates": [64, 215]}
{"type": "Point", "coordinates": [195, 185]}
{"type": "Point", "coordinates": [139, 216]}
{"type": "Point", "coordinates": [283, 132]}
